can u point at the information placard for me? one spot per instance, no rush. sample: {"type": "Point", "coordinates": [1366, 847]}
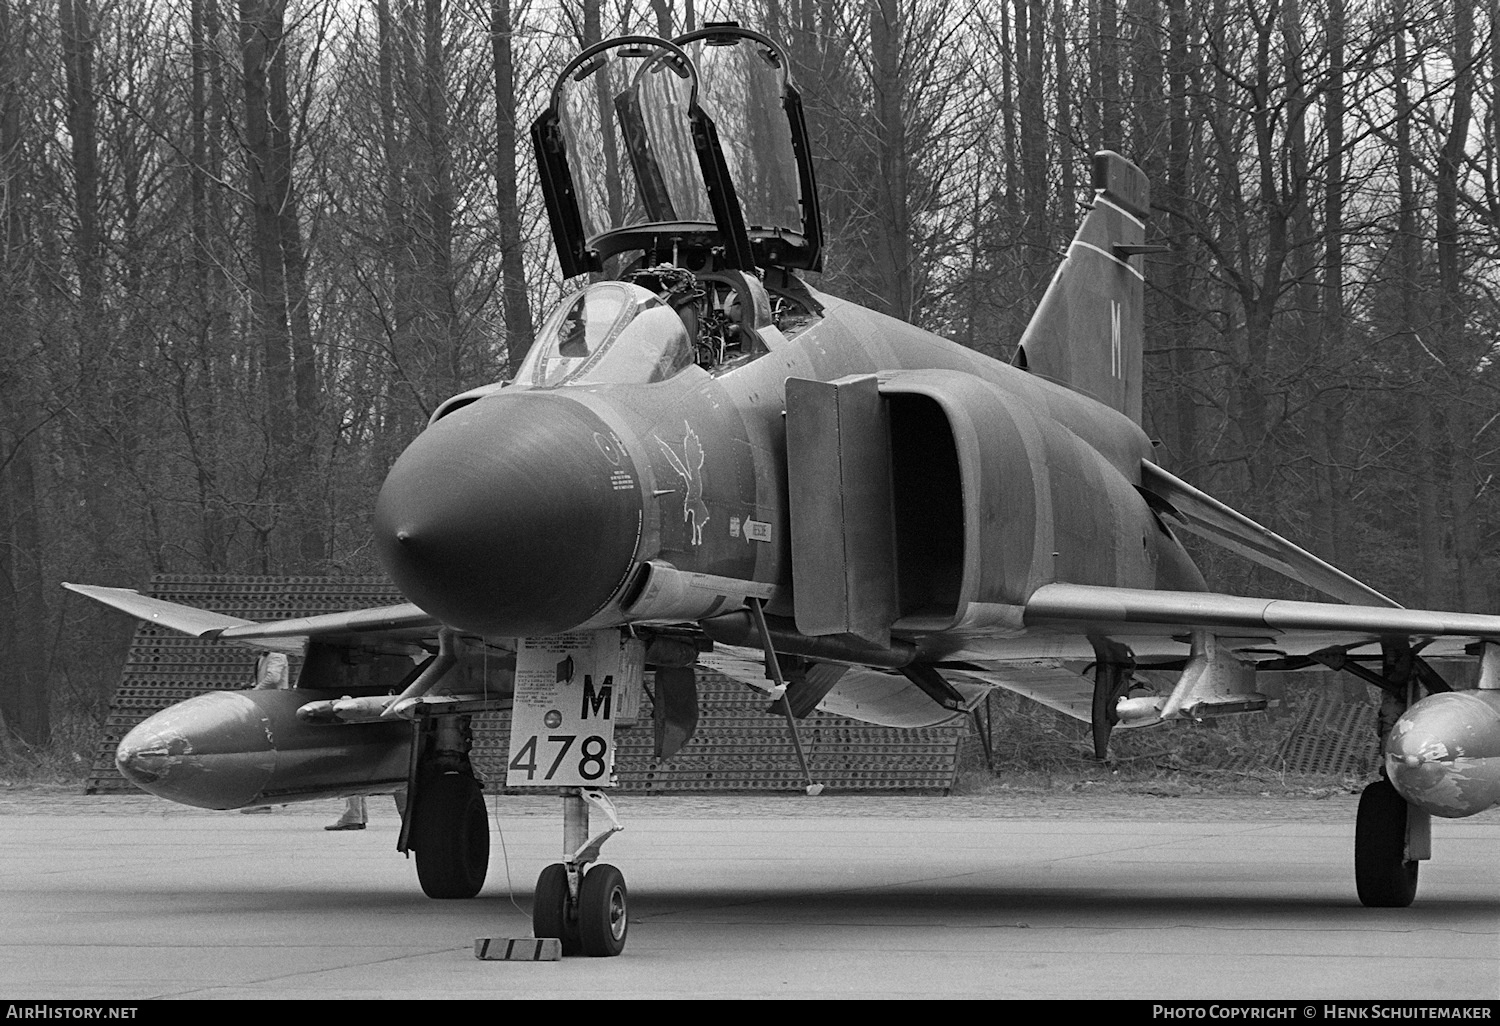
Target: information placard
{"type": "Point", "coordinates": [571, 691]}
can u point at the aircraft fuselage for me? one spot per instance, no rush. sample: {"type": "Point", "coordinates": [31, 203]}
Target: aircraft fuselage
{"type": "Point", "coordinates": [529, 511]}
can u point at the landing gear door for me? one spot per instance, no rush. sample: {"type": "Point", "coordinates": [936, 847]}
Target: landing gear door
{"type": "Point", "coordinates": [571, 692]}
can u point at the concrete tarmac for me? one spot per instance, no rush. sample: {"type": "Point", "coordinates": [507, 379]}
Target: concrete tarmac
{"type": "Point", "coordinates": [133, 898]}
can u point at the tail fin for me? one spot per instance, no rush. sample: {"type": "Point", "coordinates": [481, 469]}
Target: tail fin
{"type": "Point", "coordinates": [1086, 334]}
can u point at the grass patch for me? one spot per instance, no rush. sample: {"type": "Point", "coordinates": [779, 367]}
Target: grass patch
{"type": "Point", "coordinates": [66, 759]}
{"type": "Point", "coordinates": [1038, 749]}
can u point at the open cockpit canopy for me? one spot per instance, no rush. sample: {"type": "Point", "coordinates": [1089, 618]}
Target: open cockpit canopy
{"type": "Point", "coordinates": [691, 152]}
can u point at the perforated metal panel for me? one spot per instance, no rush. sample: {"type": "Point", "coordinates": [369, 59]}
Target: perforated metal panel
{"type": "Point", "coordinates": [1333, 736]}
{"type": "Point", "coordinates": [739, 746]}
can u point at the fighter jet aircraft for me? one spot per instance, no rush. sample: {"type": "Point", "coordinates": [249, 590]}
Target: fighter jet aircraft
{"type": "Point", "coordinates": [703, 450]}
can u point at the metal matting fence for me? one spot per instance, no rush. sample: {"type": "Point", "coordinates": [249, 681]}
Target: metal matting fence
{"type": "Point", "coordinates": [1333, 736]}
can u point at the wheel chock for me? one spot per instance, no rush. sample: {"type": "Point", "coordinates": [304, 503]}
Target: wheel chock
{"type": "Point", "coordinates": [518, 949]}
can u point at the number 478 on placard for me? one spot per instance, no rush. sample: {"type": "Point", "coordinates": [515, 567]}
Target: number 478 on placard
{"type": "Point", "coordinates": [591, 759]}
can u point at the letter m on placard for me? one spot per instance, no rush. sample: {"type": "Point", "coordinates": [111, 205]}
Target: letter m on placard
{"type": "Point", "coordinates": [594, 702]}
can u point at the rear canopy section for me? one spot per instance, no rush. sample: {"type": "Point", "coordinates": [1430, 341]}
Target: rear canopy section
{"type": "Point", "coordinates": [691, 152]}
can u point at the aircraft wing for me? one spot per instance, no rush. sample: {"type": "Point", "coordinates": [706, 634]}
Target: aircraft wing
{"type": "Point", "coordinates": [1278, 626]}
{"type": "Point", "coordinates": [1051, 662]}
{"type": "Point", "coordinates": [405, 621]}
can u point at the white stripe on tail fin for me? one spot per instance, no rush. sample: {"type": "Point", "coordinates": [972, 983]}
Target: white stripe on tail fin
{"type": "Point", "coordinates": [1086, 333]}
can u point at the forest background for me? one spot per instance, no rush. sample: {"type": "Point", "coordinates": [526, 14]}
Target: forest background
{"type": "Point", "coordinates": [246, 247]}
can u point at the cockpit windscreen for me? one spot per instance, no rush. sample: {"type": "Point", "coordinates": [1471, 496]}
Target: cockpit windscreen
{"type": "Point", "coordinates": [609, 332]}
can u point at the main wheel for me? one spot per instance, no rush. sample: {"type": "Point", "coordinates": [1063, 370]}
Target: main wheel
{"type": "Point", "coordinates": [1382, 875]}
{"type": "Point", "coordinates": [451, 836]}
{"type": "Point", "coordinates": [602, 918]}
{"type": "Point", "coordinates": [551, 915]}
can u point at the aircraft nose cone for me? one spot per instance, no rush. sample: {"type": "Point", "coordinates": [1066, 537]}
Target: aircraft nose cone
{"type": "Point", "coordinates": [516, 515]}
{"type": "Point", "coordinates": [1443, 754]}
{"type": "Point", "coordinates": [212, 751]}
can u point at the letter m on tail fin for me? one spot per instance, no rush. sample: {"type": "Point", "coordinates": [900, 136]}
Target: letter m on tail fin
{"type": "Point", "coordinates": [1086, 334]}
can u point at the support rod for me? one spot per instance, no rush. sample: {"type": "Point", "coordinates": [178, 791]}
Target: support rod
{"type": "Point", "coordinates": [773, 667]}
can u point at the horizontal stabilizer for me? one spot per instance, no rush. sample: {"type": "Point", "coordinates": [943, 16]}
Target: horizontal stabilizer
{"type": "Point", "coordinates": [1207, 517]}
{"type": "Point", "coordinates": [891, 700]}
{"type": "Point", "coordinates": [1064, 687]}
{"type": "Point", "coordinates": [883, 697]}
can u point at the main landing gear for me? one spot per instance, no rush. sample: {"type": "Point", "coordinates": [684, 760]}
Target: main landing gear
{"type": "Point", "coordinates": [1384, 875]}
{"type": "Point", "coordinates": [1391, 836]}
{"type": "Point", "coordinates": [444, 820]}
{"type": "Point", "coordinates": [451, 837]}
{"type": "Point", "coordinates": [587, 911]}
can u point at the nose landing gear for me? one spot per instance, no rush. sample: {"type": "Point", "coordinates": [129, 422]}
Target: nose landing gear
{"type": "Point", "coordinates": [585, 908]}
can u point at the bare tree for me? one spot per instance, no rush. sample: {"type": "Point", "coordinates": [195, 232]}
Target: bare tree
{"type": "Point", "coordinates": [516, 301]}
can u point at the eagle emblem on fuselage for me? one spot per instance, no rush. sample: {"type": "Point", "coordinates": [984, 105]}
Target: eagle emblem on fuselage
{"type": "Point", "coordinates": [689, 467]}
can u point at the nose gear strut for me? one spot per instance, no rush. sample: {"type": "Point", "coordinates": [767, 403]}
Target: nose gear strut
{"type": "Point", "coordinates": [586, 909]}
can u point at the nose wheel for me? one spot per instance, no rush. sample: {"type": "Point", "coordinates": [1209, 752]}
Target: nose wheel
{"type": "Point", "coordinates": [595, 923]}
{"type": "Point", "coordinates": [602, 919]}
{"type": "Point", "coordinates": [554, 912]}
{"type": "Point", "coordinates": [585, 908]}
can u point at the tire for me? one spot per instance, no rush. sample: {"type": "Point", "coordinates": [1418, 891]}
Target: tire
{"type": "Point", "coordinates": [602, 912]}
{"type": "Point", "coordinates": [549, 909]}
{"type": "Point", "coordinates": [1382, 875]}
{"type": "Point", "coordinates": [451, 837]}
